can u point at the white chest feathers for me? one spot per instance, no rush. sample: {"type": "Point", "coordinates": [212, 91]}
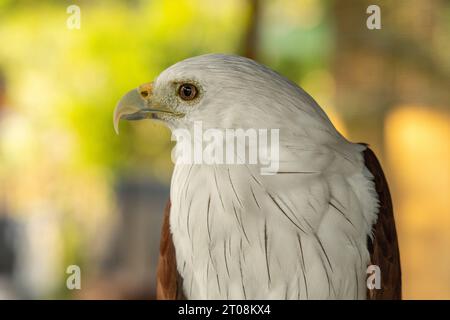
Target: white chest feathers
{"type": "Point", "coordinates": [239, 235]}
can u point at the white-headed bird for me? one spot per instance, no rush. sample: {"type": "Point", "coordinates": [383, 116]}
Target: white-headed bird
{"type": "Point", "coordinates": [307, 230]}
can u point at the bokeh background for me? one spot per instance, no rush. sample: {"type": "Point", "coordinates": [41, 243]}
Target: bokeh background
{"type": "Point", "coordinates": [72, 192]}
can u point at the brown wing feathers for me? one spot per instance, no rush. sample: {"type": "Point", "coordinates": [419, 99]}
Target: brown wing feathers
{"type": "Point", "coordinates": [168, 280]}
{"type": "Point", "coordinates": [383, 249]}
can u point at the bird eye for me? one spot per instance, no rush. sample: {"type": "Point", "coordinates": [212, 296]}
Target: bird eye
{"type": "Point", "coordinates": [187, 91]}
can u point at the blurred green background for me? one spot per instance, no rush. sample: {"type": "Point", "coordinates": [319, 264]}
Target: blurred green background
{"type": "Point", "coordinates": [74, 193]}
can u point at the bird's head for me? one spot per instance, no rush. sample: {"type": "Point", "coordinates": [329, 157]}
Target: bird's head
{"type": "Point", "coordinates": [221, 91]}
{"type": "Point", "coordinates": [224, 92]}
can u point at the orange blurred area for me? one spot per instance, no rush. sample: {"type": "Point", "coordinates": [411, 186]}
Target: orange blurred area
{"type": "Point", "coordinates": [418, 152]}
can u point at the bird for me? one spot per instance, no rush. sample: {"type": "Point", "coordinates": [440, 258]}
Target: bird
{"type": "Point", "coordinates": [307, 230]}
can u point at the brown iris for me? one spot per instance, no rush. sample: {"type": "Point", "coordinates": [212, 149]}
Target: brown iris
{"type": "Point", "coordinates": [187, 91]}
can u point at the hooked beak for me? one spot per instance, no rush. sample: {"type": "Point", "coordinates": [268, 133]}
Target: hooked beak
{"type": "Point", "coordinates": [137, 104]}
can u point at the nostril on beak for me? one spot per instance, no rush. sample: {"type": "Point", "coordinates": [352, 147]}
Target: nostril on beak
{"type": "Point", "coordinates": [144, 93]}
{"type": "Point", "coordinates": [145, 90]}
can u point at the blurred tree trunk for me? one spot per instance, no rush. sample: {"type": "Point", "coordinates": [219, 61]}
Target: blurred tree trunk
{"type": "Point", "coordinates": [251, 36]}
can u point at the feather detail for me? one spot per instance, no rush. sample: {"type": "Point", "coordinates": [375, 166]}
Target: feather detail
{"type": "Point", "coordinates": [383, 248]}
{"type": "Point", "coordinates": [168, 282]}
